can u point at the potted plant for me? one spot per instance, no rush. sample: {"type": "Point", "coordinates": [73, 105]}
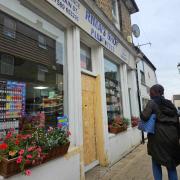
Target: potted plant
{"type": "Point", "coordinates": [126, 123]}
{"type": "Point", "coordinates": [116, 125]}
{"type": "Point", "coordinates": [134, 121]}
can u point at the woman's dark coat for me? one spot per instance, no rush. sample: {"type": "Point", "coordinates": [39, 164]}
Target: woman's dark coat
{"type": "Point", "coordinates": [163, 146]}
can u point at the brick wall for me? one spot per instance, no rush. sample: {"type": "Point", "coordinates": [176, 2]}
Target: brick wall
{"type": "Point", "coordinates": [106, 7]}
{"type": "Point", "coordinates": [125, 20]}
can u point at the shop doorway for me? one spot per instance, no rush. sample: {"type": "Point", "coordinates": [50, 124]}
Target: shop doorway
{"type": "Point", "coordinates": [89, 115]}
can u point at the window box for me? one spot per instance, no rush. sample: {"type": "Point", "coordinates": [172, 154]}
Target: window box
{"type": "Point", "coordinates": [22, 151]}
{"type": "Point", "coordinates": [116, 130]}
{"type": "Point", "coordinates": [8, 167]}
{"type": "Point", "coordinates": [118, 125]}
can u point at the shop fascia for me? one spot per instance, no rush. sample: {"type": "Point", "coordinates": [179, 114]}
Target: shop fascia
{"type": "Point", "coordinates": [86, 20]}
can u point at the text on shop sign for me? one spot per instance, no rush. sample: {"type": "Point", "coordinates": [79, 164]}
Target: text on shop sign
{"type": "Point", "coordinates": [100, 33]}
{"type": "Point", "coordinates": [70, 7]}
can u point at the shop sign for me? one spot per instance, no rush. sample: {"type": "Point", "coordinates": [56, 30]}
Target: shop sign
{"type": "Point", "coordinates": [68, 7]}
{"type": "Point", "coordinates": [86, 20]}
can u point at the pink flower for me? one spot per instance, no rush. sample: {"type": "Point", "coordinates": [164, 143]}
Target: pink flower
{"type": "Point", "coordinates": [30, 149]}
{"type": "Point", "coordinates": [50, 129]}
{"type": "Point", "coordinates": [59, 125]}
{"type": "Point", "coordinates": [28, 172]}
{"type": "Point", "coordinates": [29, 156]}
{"type": "Point", "coordinates": [9, 135]}
{"type": "Point", "coordinates": [19, 160]}
{"type": "Point", "coordinates": [69, 133]}
{"type": "Point", "coordinates": [21, 152]}
{"type": "Point", "coordinates": [28, 161]}
{"type": "Point", "coordinates": [39, 149]}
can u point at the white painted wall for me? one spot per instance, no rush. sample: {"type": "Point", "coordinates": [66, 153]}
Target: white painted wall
{"type": "Point", "coordinates": [54, 170]}
{"type": "Point", "coordinates": [123, 143]}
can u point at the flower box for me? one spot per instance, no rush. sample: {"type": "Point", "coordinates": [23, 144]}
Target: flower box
{"type": "Point", "coordinates": [116, 130]}
{"type": "Point", "coordinates": [9, 167]}
{"type": "Point", "coordinates": [57, 152]}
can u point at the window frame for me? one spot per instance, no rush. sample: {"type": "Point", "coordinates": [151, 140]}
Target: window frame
{"type": "Point", "coordinates": [6, 64]}
{"type": "Point", "coordinates": [88, 52]}
{"type": "Point", "coordinates": [8, 31]}
{"type": "Point", "coordinates": [41, 44]}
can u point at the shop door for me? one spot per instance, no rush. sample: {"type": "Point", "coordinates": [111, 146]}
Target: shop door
{"type": "Point", "coordinates": [88, 114]}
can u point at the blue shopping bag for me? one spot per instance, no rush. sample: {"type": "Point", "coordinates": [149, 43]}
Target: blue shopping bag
{"type": "Point", "coordinates": [148, 126]}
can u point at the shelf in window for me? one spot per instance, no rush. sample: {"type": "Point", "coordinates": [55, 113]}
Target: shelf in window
{"type": "Point", "coordinates": [52, 106]}
{"type": "Point", "coordinates": [114, 111]}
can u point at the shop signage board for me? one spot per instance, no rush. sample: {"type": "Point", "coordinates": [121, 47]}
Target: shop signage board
{"type": "Point", "coordinates": [90, 23]}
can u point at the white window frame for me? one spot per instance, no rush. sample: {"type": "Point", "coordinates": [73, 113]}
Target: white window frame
{"type": "Point", "coordinates": [7, 68]}
{"type": "Point", "coordinates": [9, 28]}
{"type": "Point", "coordinates": [42, 43]}
{"type": "Point", "coordinates": [115, 13]}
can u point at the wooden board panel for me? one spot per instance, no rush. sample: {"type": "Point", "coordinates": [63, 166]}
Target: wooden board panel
{"type": "Point", "coordinates": [88, 108]}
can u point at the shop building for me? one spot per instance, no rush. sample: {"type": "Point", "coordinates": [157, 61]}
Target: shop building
{"type": "Point", "coordinates": [176, 101]}
{"type": "Point", "coordinates": [74, 58]}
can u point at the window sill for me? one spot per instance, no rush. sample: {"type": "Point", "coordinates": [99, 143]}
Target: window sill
{"type": "Point", "coordinates": [88, 72]}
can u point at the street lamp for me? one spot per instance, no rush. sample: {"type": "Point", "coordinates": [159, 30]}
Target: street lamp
{"type": "Point", "coordinates": [178, 66]}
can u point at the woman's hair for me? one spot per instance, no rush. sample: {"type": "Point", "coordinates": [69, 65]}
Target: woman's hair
{"type": "Point", "coordinates": [158, 89]}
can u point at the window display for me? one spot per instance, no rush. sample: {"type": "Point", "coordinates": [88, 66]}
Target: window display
{"type": "Point", "coordinates": [31, 79]}
{"type": "Point", "coordinates": [113, 91]}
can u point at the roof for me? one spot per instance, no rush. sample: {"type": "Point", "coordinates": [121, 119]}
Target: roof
{"type": "Point", "coordinates": [131, 5]}
{"type": "Point", "coordinates": [145, 58]}
{"type": "Point", "coordinates": [176, 97]}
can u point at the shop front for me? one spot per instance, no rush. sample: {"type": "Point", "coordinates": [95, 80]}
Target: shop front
{"type": "Point", "coordinates": [59, 60]}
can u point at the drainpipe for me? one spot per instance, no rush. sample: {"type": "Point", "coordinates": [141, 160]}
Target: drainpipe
{"type": "Point", "coordinates": [139, 101]}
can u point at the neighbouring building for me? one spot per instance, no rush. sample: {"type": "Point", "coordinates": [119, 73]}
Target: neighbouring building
{"type": "Point", "coordinates": [73, 57]}
{"type": "Point", "coordinates": [146, 77]}
{"type": "Point", "coordinates": [176, 101]}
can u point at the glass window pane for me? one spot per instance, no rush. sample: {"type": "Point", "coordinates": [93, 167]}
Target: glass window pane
{"type": "Point", "coordinates": [32, 89]}
{"type": "Point", "coordinates": [113, 90]}
{"type": "Point", "coordinates": [85, 55]}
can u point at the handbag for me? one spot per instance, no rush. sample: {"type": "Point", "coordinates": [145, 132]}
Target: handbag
{"type": "Point", "coordinates": [148, 126]}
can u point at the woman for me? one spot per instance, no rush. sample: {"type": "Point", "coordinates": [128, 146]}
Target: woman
{"type": "Point", "coordinates": [163, 146]}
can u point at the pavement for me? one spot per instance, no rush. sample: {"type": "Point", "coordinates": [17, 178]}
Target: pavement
{"type": "Point", "coordinates": [135, 166]}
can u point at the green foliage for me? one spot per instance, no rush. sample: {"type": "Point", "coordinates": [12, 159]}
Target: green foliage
{"type": "Point", "coordinates": [126, 121]}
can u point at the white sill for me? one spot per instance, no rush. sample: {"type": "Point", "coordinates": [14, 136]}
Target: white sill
{"type": "Point", "coordinates": [88, 72]}
{"type": "Point", "coordinates": [111, 135]}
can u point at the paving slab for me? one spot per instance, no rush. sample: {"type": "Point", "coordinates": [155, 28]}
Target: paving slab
{"type": "Point", "coordinates": [135, 166]}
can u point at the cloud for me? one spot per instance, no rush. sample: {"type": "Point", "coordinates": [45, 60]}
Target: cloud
{"type": "Point", "coordinates": [159, 23]}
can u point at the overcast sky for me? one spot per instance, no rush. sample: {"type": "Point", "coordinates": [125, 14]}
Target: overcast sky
{"type": "Point", "coordinates": [159, 22]}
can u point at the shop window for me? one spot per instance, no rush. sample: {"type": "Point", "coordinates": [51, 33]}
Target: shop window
{"type": "Point", "coordinates": [142, 78]}
{"type": "Point", "coordinates": [31, 93]}
{"type": "Point", "coordinates": [113, 90]}
{"type": "Point", "coordinates": [9, 28]}
{"type": "Point", "coordinates": [7, 64]}
{"type": "Point", "coordinates": [85, 55]}
{"type": "Point", "coordinates": [42, 41]}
